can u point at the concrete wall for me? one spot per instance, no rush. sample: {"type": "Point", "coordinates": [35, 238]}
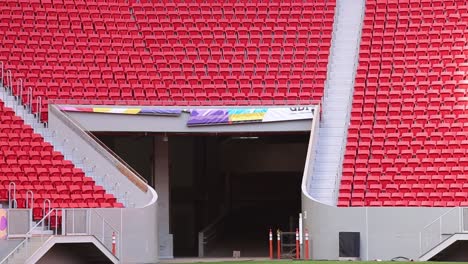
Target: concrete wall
{"type": "Point", "coordinates": [386, 232]}
{"type": "Point", "coordinates": [104, 168]}
{"type": "Point", "coordinates": [138, 227]}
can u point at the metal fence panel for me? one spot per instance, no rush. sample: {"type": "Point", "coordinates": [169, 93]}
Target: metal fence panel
{"type": "Point", "coordinates": [76, 221]}
{"type": "Point", "coordinates": [19, 221]}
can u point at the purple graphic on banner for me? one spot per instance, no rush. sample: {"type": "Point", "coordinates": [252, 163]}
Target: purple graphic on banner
{"type": "Point", "coordinates": [208, 117]}
{"type": "Point", "coordinates": [170, 112]}
{"type": "Point", "coordinates": [3, 223]}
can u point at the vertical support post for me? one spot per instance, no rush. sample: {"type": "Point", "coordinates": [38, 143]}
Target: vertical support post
{"type": "Point", "coordinates": [64, 227]}
{"type": "Point", "coordinates": [301, 241]}
{"type": "Point", "coordinates": [270, 238]}
{"type": "Point", "coordinates": [20, 91]}
{"type": "Point", "coordinates": [278, 239]}
{"type": "Point", "coordinates": [113, 244]}
{"type": "Point", "coordinates": [30, 100]}
{"type": "Point", "coordinates": [10, 81]}
{"type": "Point", "coordinates": [200, 245]}
{"type": "Point", "coordinates": [298, 251]}
{"type": "Point", "coordinates": [2, 73]}
{"type": "Point", "coordinates": [306, 249]}
{"type": "Point", "coordinates": [39, 108]}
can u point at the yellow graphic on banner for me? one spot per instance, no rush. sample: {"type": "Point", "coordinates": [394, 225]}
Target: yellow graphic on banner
{"type": "Point", "coordinates": [117, 110]}
{"type": "Point", "coordinates": [132, 111]}
{"type": "Point", "coordinates": [102, 110]}
{"type": "Point", "coordinates": [246, 117]}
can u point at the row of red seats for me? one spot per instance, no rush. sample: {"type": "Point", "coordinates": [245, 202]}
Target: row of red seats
{"type": "Point", "coordinates": [404, 203]}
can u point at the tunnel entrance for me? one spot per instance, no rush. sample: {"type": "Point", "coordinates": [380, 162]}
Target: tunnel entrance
{"type": "Point", "coordinates": [230, 188]}
{"type": "Point", "coordinates": [227, 191]}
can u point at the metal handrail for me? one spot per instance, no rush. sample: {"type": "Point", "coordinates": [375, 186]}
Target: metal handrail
{"type": "Point", "coordinates": [9, 79]}
{"type": "Point", "coordinates": [427, 235]}
{"type": "Point", "coordinates": [437, 219]}
{"type": "Point", "coordinates": [28, 235]}
{"type": "Point", "coordinates": [29, 194]}
{"type": "Point", "coordinates": [39, 107]}
{"type": "Point", "coordinates": [30, 98]}
{"type": "Point", "coordinates": [114, 230]}
{"type": "Point", "coordinates": [2, 72]}
{"type": "Point", "coordinates": [20, 90]}
{"type": "Point", "coordinates": [44, 211]}
{"type": "Point", "coordinates": [208, 233]}
{"type": "Point", "coordinates": [11, 197]}
{"type": "Point", "coordinates": [42, 221]}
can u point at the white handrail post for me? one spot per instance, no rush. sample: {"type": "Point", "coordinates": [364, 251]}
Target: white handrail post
{"type": "Point", "coordinates": [29, 195]}
{"type": "Point", "coordinates": [11, 196]}
{"type": "Point", "coordinates": [39, 108]}
{"type": "Point", "coordinates": [10, 80]}
{"type": "Point", "coordinates": [20, 90]}
{"type": "Point", "coordinates": [64, 227]}
{"type": "Point", "coordinates": [2, 73]}
{"type": "Point", "coordinates": [73, 221]}
{"type": "Point", "coordinates": [46, 212]}
{"type": "Point", "coordinates": [30, 100]}
{"type": "Point", "coordinates": [56, 222]}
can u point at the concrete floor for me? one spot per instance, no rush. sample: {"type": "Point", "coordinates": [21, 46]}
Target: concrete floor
{"type": "Point", "coordinates": [207, 260]}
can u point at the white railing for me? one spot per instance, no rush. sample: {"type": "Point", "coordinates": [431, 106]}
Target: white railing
{"type": "Point", "coordinates": [107, 232]}
{"type": "Point", "coordinates": [6, 82]}
{"type": "Point", "coordinates": [71, 222]}
{"type": "Point", "coordinates": [210, 234]}
{"type": "Point", "coordinates": [440, 229]}
{"type": "Point", "coordinates": [26, 241]}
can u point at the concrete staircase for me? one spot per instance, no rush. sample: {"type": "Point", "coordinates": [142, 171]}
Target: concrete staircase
{"type": "Point", "coordinates": [62, 146]}
{"type": "Point", "coordinates": [40, 128]}
{"type": "Point", "coordinates": [337, 100]}
{"type": "Point", "coordinates": [27, 249]}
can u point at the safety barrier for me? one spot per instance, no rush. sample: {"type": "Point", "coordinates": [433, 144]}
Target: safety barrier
{"type": "Point", "coordinates": [288, 245]}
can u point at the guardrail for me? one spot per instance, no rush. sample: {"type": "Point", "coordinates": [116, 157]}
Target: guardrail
{"type": "Point", "coordinates": [25, 243]}
{"type": "Point", "coordinates": [72, 222]}
{"type": "Point", "coordinates": [210, 234]}
{"type": "Point", "coordinates": [449, 223]}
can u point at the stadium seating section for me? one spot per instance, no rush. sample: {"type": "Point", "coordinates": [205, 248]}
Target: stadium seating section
{"type": "Point", "coordinates": [172, 52]}
{"type": "Point", "coordinates": [407, 140]}
{"type": "Point", "coordinates": [32, 164]}
{"type": "Point", "coordinates": [116, 52]}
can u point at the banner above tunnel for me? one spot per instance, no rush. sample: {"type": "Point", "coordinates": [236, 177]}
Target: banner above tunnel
{"type": "Point", "coordinates": [211, 117]}
{"type": "Point", "coordinates": [203, 117]}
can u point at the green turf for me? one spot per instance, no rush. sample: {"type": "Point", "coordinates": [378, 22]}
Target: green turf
{"type": "Point", "coordinates": [320, 262]}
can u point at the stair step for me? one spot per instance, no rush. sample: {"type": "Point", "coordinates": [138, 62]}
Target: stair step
{"type": "Point", "coordinates": [338, 95]}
